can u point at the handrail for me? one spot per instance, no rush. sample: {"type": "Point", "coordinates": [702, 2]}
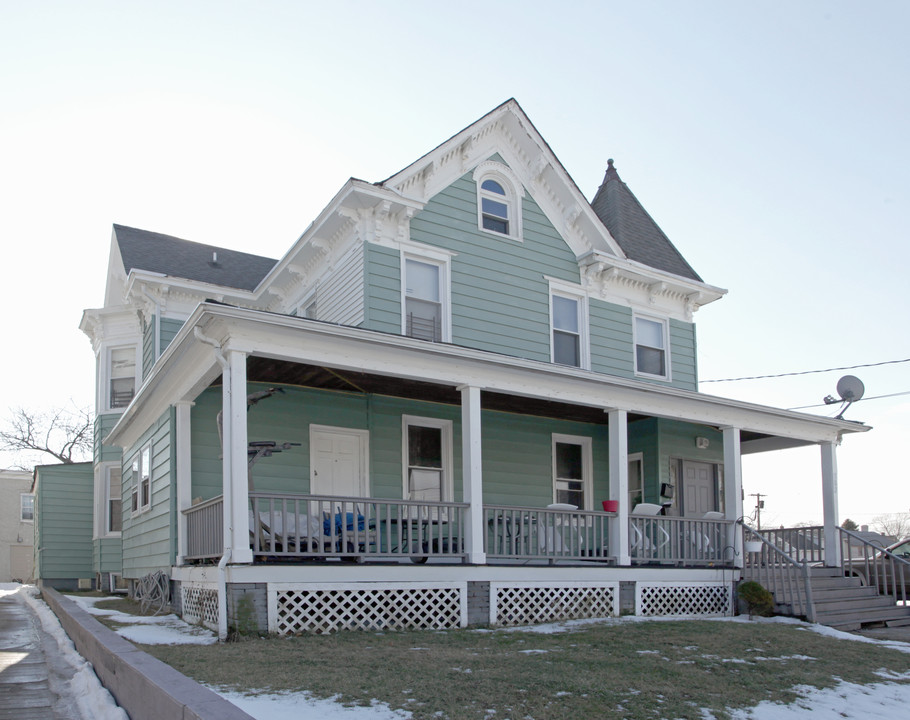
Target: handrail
{"type": "Point", "coordinates": [781, 574]}
{"type": "Point", "coordinates": [804, 544]}
{"type": "Point", "coordinates": [875, 565]}
{"type": "Point", "coordinates": [678, 540]}
{"type": "Point", "coordinates": [527, 533]}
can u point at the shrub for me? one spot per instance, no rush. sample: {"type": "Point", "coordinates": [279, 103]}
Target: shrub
{"type": "Point", "coordinates": [758, 600]}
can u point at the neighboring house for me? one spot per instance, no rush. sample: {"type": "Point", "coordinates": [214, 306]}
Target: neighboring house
{"type": "Point", "coordinates": [457, 365]}
{"type": "Point", "coordinates": [63, 525]}
{"type": "Point", "coordinates": [17, 526]}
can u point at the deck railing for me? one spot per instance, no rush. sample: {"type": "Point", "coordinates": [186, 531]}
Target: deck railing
{"type": "Point", "coordinates": [321, 526]}
{"type": "Point", "coordinates": [784, 575]}
{"type": "Point", "coordinates": [874, 565]}
{"type": "Point", "coordinates": [658, 539]}
{"type": "Point", "coordinates": [205, 534]}
{"type": "Point", "coordinates": [803, 544]}
{"type": "Point", "coordinates": [522, 533]}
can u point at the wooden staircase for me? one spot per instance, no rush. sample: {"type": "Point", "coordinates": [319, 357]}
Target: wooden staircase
{"type": "Point", "coordinates": [844, 603]}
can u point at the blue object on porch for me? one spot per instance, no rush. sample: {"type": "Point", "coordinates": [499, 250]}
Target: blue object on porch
{"type": "Point", "coordinates": [343, 520]}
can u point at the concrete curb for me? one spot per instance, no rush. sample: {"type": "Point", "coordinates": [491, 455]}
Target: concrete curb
{"type": "Point", "coordinates": [142, 685]}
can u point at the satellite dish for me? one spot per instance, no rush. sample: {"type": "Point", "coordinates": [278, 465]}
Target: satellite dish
{"type": "Point", "coordinates": [850, 388]}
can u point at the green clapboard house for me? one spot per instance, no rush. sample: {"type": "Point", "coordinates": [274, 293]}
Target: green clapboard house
{"type": "Point", "coordinates": [465, 395]}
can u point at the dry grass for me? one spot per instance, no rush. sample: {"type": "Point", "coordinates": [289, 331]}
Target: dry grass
{"type": "Point", "coordinates": [629, 670]}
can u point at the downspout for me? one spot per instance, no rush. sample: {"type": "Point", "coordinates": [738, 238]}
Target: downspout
{"type": "Point", "coordinates": [226, 497]}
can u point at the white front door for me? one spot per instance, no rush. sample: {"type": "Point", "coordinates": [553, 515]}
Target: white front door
{"type": "Point", "coordinates": [699, 488]}
{"type": "Point", "coordinates": [338, 461]}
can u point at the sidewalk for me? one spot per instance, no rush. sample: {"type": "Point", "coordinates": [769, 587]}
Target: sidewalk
{"type": "Point", "coordinates": [26, 678]}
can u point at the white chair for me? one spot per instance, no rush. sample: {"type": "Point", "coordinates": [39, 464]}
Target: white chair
{"type": "Point", "coordinates": [712, 535]}
{"type": "Point", "coordinates": [551, 540]}
{"type": "Point", "coordinates": [648, 544]}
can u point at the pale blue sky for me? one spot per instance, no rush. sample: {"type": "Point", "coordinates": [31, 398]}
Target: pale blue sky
{"type": "Point", "coordinates": [768, 140]}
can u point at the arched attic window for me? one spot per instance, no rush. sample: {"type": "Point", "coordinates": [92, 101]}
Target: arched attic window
{"type": "Point", "coordinates": [498, 200]}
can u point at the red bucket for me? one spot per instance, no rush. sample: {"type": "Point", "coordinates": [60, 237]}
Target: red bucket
{"type": "Point", "coordinates": [611, 506]}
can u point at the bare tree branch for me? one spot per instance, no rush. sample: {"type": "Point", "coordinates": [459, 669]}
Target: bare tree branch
{"type": "Point", "coordinates": [896, 525]}
{"type": "Point", "coordinates": [64, 434]}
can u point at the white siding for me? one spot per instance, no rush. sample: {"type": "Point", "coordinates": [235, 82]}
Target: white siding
{"type": "Point", "coordinates": [339, 297]}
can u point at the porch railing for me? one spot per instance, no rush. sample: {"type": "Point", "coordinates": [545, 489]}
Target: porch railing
{"type": "Point", "coordinates": [658, 539]}
{"type": "Point", "coordinates": [803, 544]}
{"type": "Point", "coordinates": [785, 576]}
{"type": "Point", "coordinates": [205, 534]}
{"type": "Point", "coordinates": [320, 526]}
{"type": "Point", "coordinates": [874, 565]}
{"type": "Point", "coordinates": [522, 533]}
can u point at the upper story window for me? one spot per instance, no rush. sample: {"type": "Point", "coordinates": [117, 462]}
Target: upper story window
{"type": "Point", "coordinates": [498, 199]}
{"type": "Point", "coordinates": [122, 377]}
{"type": "Point", "coordinates": [651, 343]}
{"type": "Point", "coordinates": [568, 328]}
{"type": "Point", "coordinates": [425, 296]}
{"type": "Point", "coordinates": [308, 308]}
{"type": "Point", "coordinates": [27, 507]}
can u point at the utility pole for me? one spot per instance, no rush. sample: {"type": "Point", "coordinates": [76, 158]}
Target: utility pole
{"type": "Point", "coordinates": [759, 505]}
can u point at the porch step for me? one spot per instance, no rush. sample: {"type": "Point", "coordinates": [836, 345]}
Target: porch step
{"type": "Point", "coordinates": [857, 619]}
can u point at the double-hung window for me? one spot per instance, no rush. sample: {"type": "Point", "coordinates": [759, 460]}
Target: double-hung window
{"type": "Point", "coordinates": [425, 294]}
{"type": "Point", "coordinates": [122, 377]}
{"type": "Point", "coordinates": [568, 328]}
{"type": "Point", "coordinates": [494, 207]}
{"type": "Point", "coordinates": [499, 194]}
{"type": "Point", "coordinates": [27, 507]}
{"type": "Point", "coordinates": [651, 348]}
{"type": "Point", "coordinates": [142, 480]}
{"type": "Point", "coordinates": [427, 453]}
{"type": "Point", "coordinates": [572, 464]}
{"type": "Point", "coordinates": [113, 520]}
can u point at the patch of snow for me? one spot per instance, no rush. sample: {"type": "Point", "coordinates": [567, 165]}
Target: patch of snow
{"type": "Point", "coordinates": [533, 652]}
{"type": "Point", "coordinates": [301, 706]}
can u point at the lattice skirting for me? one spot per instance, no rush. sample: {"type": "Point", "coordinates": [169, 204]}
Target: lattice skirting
{"type": "Point", "coordinates": [323, 608]}
{"type": "Point", "coordinates": [525, 603]}
{"type": "Point", "coordinates": [683, 599]}
{"type": "Point", "coordinates": [200, 603]}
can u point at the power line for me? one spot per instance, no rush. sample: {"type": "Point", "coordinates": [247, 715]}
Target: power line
{"type": "Point", "coordinates": [874, 397]}
{"type": "Point", "coordinates": [807, 372]}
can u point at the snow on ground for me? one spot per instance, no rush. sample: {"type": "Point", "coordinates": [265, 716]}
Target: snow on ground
{"type": "Point", "coordinates": [846, 701]}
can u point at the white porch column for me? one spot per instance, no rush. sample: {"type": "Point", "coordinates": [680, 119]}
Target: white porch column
{"type": "Point", "coordinates": [829, 503]}
{"type": "Point", "coordinates": [472, 473]}
{"type": "Point", "coordinates": [619, 484]}
{"type": "Point", "coordinates": [236, 488]}
{"type": "Point", "coordinates": [733, 491]}
{"type": "Point", "coordinates": [183, 475]}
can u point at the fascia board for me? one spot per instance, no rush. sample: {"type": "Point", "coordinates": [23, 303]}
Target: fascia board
{"type": "Point", "coordinates": [300, 340]}
{"type": "Point", "coordinates": [353, 194]}
{"type": "Point", "coordinates": [189, 286]}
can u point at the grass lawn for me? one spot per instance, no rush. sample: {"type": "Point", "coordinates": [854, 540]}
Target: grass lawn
{"type": "Point", "coordinates": [634, 670]}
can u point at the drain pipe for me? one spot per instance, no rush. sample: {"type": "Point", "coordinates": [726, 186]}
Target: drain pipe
{"type": "Point", "coordinates": [227, 500]}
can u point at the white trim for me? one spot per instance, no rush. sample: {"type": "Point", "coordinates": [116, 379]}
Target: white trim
{"type": "Point", "coordinates": [502, 174]}
{"type": "Point", "coordinates": [107, 375]}
{"type": "Point", "coordinates": [138, 472]}
{"type": "Point", "coordinates": [587, 464]}
{"type": "Point", "coordinates": [102, 500]}
{"type": "Point", "coordinates": [362, 435]}
{"type": "Point", "coordinates": [22, 497]}
{"type": "Point", "coordinates": [448, 485]}
{"type": "Point", "coordinates": [442, 261]}
{"type": "Point", "coordinates": [576, 293]}
{"type": "Point", "coordinates": [630, 458]}
{"type": "Point", "coordinates": [665, 327]}
{"type": "Point", "coordinates": [497, 586]}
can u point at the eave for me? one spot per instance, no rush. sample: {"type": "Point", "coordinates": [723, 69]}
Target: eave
{"type": "Point", "coordinates": [189, 365]}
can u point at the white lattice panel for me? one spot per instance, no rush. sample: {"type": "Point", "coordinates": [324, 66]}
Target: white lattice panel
{"type": "Point", "coordinates": [324, 608]}
{"type": "Point", "coordinates": [688, 599]}
{"type": "Point", "coordinates": [528, 603]}
{"type": "Point", "coordinates": [200, 604]}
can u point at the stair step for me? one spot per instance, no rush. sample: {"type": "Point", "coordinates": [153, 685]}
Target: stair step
{"type": "Point", "coordinates": [836, 618]}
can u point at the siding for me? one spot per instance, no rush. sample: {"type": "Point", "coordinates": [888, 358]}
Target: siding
{"type": "Point", "coordinates": [148, 347]}
{"type": "Point", "coordinates": [611, 338]}
{"type": "Point", "coordinates": [382, 268]}
{"type": "Point", "coordinates": [169, 328]}
{"type": "Point", "coordinates": [63, 521]}
{"type": "Point", "coordinates": [107, 555]}
{"type": "Point", "coordinates": [339, 295]}
{"type": "Point", "coordinates": [103, 425]}
{"type": "Point", "coordinates": [148, 537]}
{"type": "Point", "coordinates": [683, 355]}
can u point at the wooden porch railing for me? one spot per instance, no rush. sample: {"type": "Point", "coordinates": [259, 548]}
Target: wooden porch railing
{"type": "Point", "coordinates": [803, 544]}
{"type": "Point", "coordinates": [874, 565]}
{"type": "Point", "coordinates": [785, 576]}
{"type": "Point", "coordinates": [522, 533]}
{"type": "Point", "coordinates": [205, 534]}
{"type": "Point", "coordinates": [658, 539]}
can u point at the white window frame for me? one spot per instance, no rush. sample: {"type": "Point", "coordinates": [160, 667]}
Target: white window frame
{"type": "Point", "coordinates": [447, 490]}
{"type": "Point", "coordinates": [142, 473]}
{"type": "Point", "coordinates": [108, 372]}
{"type": "Point", "coordinates": [587, 465]}
{"type": "Point", "coordinates": [106, 500]}
{"type": "Point", "coordinates": [584, 341]}
{"type": "Point", "coordinates": [442, 260]}
{"type": "Point", "coordinates": [640, 459]}
{"type": "Point", "coordinates": [665, 328]}
{"type": "Point", "coordinates": [308, 302]}
{"type": "Point", "coordinates": [22, 498]}
{"type": "Point", "coordinates": [514, 191]}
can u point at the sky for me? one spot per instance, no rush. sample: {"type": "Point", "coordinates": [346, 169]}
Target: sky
{"type": "Point", "coordinates": [844, 701]}
{"type": "Point", "coordinates": [768, 140]}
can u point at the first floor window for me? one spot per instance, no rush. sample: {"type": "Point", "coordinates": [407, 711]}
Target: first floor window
{"type": "Point", "coordinates": [572, 470]}
{"type": "Point", "coordinates": [142, 480]}
{"type": "Point", "coordinates": [113, 522]}
{"type": "Point", "coordinates": [27, 507]}
{"type": "Point", "coordinates": [650, 347]}
{"type": "Point", "coordinates": [427, 452]}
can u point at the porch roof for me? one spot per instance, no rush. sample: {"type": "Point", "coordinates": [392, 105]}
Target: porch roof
{"type": "Point", "coordinates": [283, 348]}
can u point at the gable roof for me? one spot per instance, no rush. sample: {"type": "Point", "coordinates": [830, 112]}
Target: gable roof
{"type": "Point", "coordinates": [640, 238]}
{"type": "Point", "coordinates": [168, 255]}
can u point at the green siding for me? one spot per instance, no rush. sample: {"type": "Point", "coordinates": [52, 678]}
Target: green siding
{"type": "Point", "coordinates": [103, 425]}
{"type": "Point", "coordinates": [148, 347]}
{"type": "Point", "coordinates": [63, 522]}
{"type": "Point", "coordinates": [107, 555]}
{"type": "Point", "coordinates": [147, 537]}
{"type": "Point", "coordinates": [611, 338]}
{"type": "Point", "coordinates": [382, 270]}
{"type": "Point", "coordinates": [683, 355]}
{"type": "Point", "coordinates": [169, 328]}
